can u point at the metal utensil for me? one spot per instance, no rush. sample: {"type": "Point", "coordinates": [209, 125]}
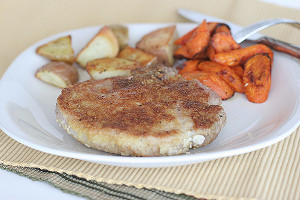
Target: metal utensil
{"type": "Point", "coordinates": [241, 35]}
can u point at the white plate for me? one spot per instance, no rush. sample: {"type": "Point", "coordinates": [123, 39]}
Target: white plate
{"type": "Point", "coordinates": [27, 110]}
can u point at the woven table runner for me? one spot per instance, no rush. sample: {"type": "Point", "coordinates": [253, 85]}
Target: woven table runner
{"type": "Point", "coordinates": [269, 173]}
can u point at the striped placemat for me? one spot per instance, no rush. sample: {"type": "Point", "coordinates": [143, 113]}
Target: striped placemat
{"type": "Point", "coordinates": [269, 173]}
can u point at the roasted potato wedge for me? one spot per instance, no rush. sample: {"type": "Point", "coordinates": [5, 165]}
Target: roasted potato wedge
{"type": "Point", "coordinates": [239, 56]}
{"type": "Point", "coordinates": [110, 67]}
{"type": "Point", "coordinates": [138, 55]}
{"type": "Point", "coordinates": [121, 32]}
{"type": "Point", "coordinates": [59, 74]}
{"type": "Point", "coordinates": [103, 45]}
{"type": "Point", "coordinates": [58, 50]}
{"type": "Point", "coordinates": [257, 78]}
{"type": "Point", "coordinates": [160, 43]}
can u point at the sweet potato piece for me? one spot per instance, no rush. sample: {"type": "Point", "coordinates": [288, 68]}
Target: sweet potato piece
{"type": "Point", "coordinates": [210, 51]}
{"type": "Point", "coordinates": [217, 84]}
{"type": "Point", "coordinates": [200, 56]}
{"type": "Point", "coordinates": [199, 40]}
{"type": "Point", "coordinates": [189, 66]}
{"type": "Point", "coordinates": [191, 75]}
{"type": "Point", "coordinates": [211, 26]}
{"type": "Point", "coordinates": [183, 39]}
{"type": "Point", "coordinates": [222, 28]}
{"type": "Point", "coordinates": [213, 81]}
{"type": "Point", "coordinates": [257, 78]}
{"type": "Point", "coordinates": [238, 70]}
{"type": "Point", "coordinates": [239, 56]}
{"type": "Point", "coordinates": [222, 42]}
{"type": "Point", "coordinates": [182, 53]}
{"type": "Point", "coordinates": [194, 43]}
{"type": "Point", "coordinates": [226, 73]}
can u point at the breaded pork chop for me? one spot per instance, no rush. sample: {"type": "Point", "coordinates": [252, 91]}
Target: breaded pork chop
{"type": "Point", "coordinates": [151, 113]}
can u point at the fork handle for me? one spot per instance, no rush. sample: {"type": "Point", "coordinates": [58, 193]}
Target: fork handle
{"type": "Point", "coordinates": [281, 46]}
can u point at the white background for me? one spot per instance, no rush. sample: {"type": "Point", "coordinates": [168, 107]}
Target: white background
{"type": "Point", "coordinates": [15, 187]}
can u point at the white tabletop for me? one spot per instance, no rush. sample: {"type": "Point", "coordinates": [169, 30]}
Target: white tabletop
{"type": "Point", "coordinates": [15, 187]}
{"type": "Point", "coordinates": [42, 190]}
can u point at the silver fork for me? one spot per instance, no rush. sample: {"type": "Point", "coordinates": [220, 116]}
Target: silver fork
{"type": "Point", "coordinates": [254, 28]}
{"type": "Point", "coordinates": [278, 45]}
{"type": "Point", "coordinates": [245, 33]}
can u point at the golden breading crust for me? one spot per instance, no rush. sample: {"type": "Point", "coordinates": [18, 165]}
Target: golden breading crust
{"type": "Point", "coordinates": [147, 114]}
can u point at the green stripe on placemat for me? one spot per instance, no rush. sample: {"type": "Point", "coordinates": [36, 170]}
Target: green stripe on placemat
{"type": "Point", "coordinates": [92, 189]}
